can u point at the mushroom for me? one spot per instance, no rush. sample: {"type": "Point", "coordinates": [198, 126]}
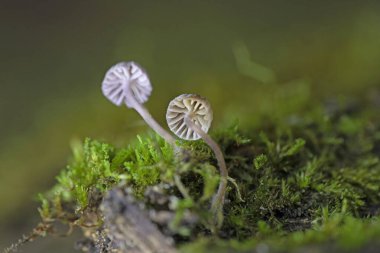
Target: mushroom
{"type": "Point", "coordinates": [128, 83]}
{"type": "Point", "coordinates": [189, 116]}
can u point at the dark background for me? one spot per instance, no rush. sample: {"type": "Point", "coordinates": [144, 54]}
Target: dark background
{"type": "Point", "coordinates": [53, 56]}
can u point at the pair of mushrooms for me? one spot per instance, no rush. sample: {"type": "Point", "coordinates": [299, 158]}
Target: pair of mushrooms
{"type": "Point", "coordinates": [188, 116]}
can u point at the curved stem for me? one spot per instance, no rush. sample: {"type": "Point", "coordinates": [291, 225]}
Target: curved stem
{"type": "Point", "coordinates": [150, 120]}
{"type": "Point", "coordinates": [218, 199]}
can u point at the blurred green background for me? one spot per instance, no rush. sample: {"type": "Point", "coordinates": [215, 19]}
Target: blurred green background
{"type": "Point", "coordinates": [247, 57]}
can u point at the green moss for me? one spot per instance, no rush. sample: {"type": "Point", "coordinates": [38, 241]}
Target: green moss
{"type": "Point", "coordinates": [97, 166]}
{"type": "Point", "coordinates": [307, 180]}
{"type": "Point", "coordinates": [338, 233]}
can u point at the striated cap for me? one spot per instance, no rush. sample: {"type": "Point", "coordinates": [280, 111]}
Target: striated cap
{"type": "Point", "coordinates": [195, 107]}
{"type": "Point", "coordinates": [126, 78]}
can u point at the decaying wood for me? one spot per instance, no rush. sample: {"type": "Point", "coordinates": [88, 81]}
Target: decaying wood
{"type": "Point", "coordinates": [128, 226]}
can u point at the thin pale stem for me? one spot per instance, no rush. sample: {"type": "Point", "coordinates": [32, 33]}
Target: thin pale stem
{"type": "Point", "coordinates": [151, 121]}
{"type": "Point", "coordinates": [218, 199]}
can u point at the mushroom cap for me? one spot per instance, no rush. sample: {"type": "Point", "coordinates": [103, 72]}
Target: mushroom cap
{"type": "Point", "coordinates": [126, 78]}
{"type": "Point", "coordinates": [193, 106]}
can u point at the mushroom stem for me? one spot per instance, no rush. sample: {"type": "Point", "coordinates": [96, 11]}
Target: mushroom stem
{"type": "Point", "coordinates": [218, 199]}
{"type": "Point", "coordinates": [150, 120]}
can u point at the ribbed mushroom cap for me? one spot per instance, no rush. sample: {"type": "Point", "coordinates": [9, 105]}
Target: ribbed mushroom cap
{"type": "Point", "coordinates": [196, 108]}
{"type": "Point", "coordinates": [126, 78]}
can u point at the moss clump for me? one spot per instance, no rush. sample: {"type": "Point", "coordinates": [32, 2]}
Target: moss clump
{"type": "Point", "coordinates": [335, 233]}
{"type": "Point", "coordinates": [97, 166]}
{"type": "Point", "coordinates": [307, 181]}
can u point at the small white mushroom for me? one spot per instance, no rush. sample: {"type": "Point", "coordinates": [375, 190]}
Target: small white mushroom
{"type": "Point", "coordinates": [192, 106]}
{"type": "Point", "coordinates": [189, 116]}
{"type": "Point", "coordinates": [128, 83]}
